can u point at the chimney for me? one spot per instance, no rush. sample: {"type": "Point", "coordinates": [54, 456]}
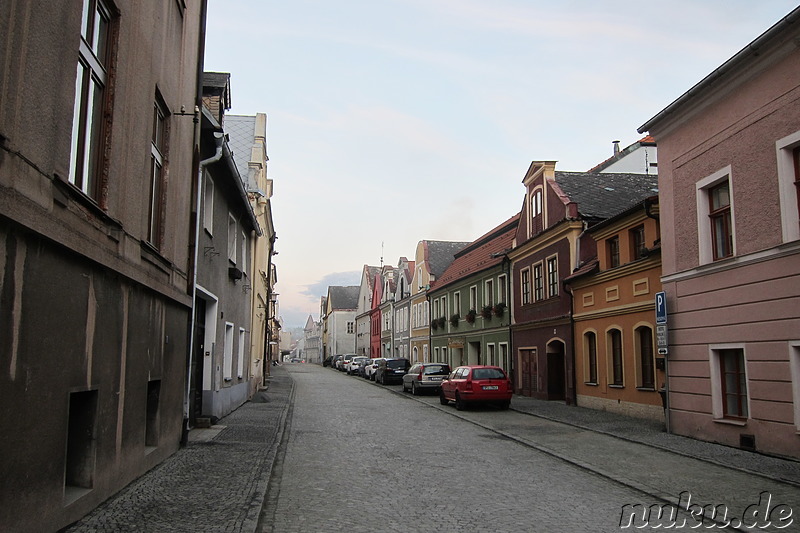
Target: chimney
{"type": "Point", "coordinates": [616, 147]}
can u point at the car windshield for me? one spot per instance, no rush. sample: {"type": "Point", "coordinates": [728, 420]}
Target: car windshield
{"type": "Point", "coordinates": [436, 370]}
{"type": "Point", "coordinates": [396, 364]}
{"type": "Point", "coordinates": [488, 373]}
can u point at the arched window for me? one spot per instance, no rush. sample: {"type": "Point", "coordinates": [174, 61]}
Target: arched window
{"type": "Point", "coordinates": [615, 347]}
{"type": "Point", "coordinates": [590, 344]}
{"type": "Point", "coordinates": [644, 341]}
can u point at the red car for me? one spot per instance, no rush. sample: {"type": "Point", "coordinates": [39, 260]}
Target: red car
{"type": "Point", "coordinates": [476, 384]}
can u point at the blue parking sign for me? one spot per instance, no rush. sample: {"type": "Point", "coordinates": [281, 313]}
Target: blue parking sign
{"type": "Point", "coordinates": [661, 307]}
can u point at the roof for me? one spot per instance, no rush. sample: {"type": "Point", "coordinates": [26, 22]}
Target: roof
{"type": "Point", "coordinates": [753, 50]}
{"type": "Point", "coordinates": [343, 298]}
{"type": "Point", "coordinates": [647, 140]}
{"type": "Point", "coordinates": [440, 255]}
{"type": "Point", "coordinates": [602, 195]}
{"type": "Point", "coordinates": [483, 253]}
{"type": "Point", "coordinates": [241, 131]}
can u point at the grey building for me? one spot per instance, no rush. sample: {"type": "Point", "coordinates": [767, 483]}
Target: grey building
{"type": "Point", "coordinates": [97, 173]}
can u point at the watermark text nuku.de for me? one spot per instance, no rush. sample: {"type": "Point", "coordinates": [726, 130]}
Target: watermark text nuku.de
{"type": "Point", "coordinates": [767, 514]}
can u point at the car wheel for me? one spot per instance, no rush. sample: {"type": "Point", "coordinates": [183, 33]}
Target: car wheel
{"type": "Point", "coordinates": [459, 402]}
{"type": "Point", "coordinates": [442, 399]}
{"type": "Point", "coordinates": [414, 389]}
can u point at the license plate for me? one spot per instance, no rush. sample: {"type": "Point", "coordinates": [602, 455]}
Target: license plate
{"type": "Point", "coordinates": [435, 379]}
{"type": "Point", "coordinates": [490, 387]}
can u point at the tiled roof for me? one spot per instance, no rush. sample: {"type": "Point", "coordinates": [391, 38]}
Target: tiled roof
{"type": "Point", "coordinates": [344, 298]}
{"type": "Point", "coordinates": [241, 131]}
{"type": "Point", "coordinates": [370, 272]}
{"type": "Point", "coordinates": [216, 79]}
{"type": "Point", "coordinates": [587, 268]}
{"type": "Point", "coordinates": [600, 196]}
{"type": "Point", "coordinates": [440, 255]}
{"type": "Point", "coordinates": [483, 253]}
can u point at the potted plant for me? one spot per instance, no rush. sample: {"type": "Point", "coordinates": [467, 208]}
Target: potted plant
{"type": "Point", "coordinates": [471, 316]}
{"type": "Point", "coordinates": [499, 309]}
{"type": "Point", "coordinates": [441, 320]}
{"type": "Point", "coordinates": [435, 323]}
{"type": "Point", "coordinates": [486, 312]}
{"type": "Point", "coordinates": [454, 320]}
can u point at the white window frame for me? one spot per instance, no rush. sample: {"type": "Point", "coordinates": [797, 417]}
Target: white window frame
{"type": "Point", "coordinates": [704, 238]}
{"type": "Point", "coordinates": [488, 292]}
{"type": "Point", "coordinates": [240, 362]}
{"type": "Point", "coordinates": [244, 253]}
{"type": "Point", "coordinates": [717, 407]}
{"type": "Point", "coordinates": [502, 289]}
{"type": "Point", "coordinates": [473, 297]}
{"type": "Point", "coordinates": [227, 352]}
{"type": "Point", "coordinates": [794, 364]}
{"type": "Point", "coordinates": [232, 233]}
{"type": "Point", "coordinates": [457, 303]}
{"type": "Point", "coordinates": [787, 192]}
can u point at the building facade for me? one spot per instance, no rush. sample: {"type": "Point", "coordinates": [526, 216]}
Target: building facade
{"type": "Point", "coordinates": [729, 166]}
{"type": "Point", "coordinates": [97, 168]}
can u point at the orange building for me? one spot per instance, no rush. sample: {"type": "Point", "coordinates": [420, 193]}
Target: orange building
{"type": "Point", "coordinates": [616, 366]}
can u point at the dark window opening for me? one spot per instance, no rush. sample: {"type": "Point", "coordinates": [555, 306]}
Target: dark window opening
{"type": "Point", "coordinates": [81, 429]}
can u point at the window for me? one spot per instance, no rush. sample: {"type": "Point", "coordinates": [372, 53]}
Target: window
{"type": "Point", "coordinates": [152, 420]}
{"type": "Point", "coordinates": [612, 247]}
{"type": "Point", "coordinates": [525, 286]}
{"type": "Point", "coordinates": [502, 288]}
{"type": "Point", "coordinates": [227, 353]}
{"type": "Point", "coordinates": [457, 303]}
{"type": "Point", "coordinates": [473, 297]}
{"type": "Point", "coordinates": [350, 327]}
{"type": "Point", "coordinates": [437, 308]}
{"type": "Point", "coordinates": [208, 205]}
{"type": "Point", "coordinates": [552, 276]}
{"type": "Point", "coordinates": [788, 154]}
{"type": "Point", "coordinates": [158, 144]}
{"type": "Point", "coordinates": [538, 282]}
{"type": "Point", "coordinates": [537, 220]}
{"type": "Point", "coordinates": [81, 436]}
{"type": "Point", "coordinates": [490, 355]}
{"type": "Point", "coordinates": [615, 345]}
{"type": "Point", "coordinates": [488, 297]}
{"type": "Point", "coordinates": [638, 245]}
{"type": "Point", "coordinates": [232, 239]}
{"type": "Point", "coordinates": [719, 212]}
{"type": "Point", "coordinates": [734, 383]}
{"type": "Point", "coordinates": [647, 378]}
{"type": "Point", "coordinates": [590, 346]}
{"type": "Point", "coordinates": [240, 362]}
{"type": "Point", "coordinates": [245, 243]}
{"type": "Point", "coordinates": [86, 151]}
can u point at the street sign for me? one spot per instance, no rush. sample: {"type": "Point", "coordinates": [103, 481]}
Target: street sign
{"type": "Point", "coordinates": [661, 307]}
{"type": "Point", "coordinates": [661, 339]}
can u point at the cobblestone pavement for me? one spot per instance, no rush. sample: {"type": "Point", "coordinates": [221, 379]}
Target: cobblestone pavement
{"type": "Point", "coordinates": [214, 484]}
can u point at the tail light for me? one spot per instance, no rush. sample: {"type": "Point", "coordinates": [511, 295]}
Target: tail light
{"type": "Point", "coordinates": [419, 376]}
{"type": "Point", "coordinates": [469, 384]}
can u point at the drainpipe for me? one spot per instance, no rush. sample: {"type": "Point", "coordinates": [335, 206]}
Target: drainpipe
{"type": "Point", "coordinates": [193, 232]}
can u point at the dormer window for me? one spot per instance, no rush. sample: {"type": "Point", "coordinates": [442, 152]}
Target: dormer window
{"type": "Point", "coordinates": [537, 208]}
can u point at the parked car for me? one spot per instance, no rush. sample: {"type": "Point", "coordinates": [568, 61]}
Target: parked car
{"type": "Point", "coordinates": [327, 361]}
{"type": "Point", "coordinates": [371, 367]}
{"type": "Point", "coordinates": [468, 385]}
{"type": "Point", "coordinates": [391, 370]}
{"type": "Point", "coordinates": [342, 364]}
{"type": "Point", "coordinates": [335, 361]}
{"type": "Point", "coordinates": [354, 366]}
{"type": "Point", "coordinates": [425, 376]}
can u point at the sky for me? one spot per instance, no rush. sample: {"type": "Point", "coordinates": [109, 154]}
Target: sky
{"type": "Point", "coordinates": [396, 121]}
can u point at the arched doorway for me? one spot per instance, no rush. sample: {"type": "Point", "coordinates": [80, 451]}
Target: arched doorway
{"type": "Point", "coordinates": [556, 370]}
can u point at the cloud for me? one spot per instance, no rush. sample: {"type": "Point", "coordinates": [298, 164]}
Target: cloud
{"type": "Point", "coordinates": [320, 287]}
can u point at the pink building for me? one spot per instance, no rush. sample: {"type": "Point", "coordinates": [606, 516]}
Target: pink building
{"type": "Point", "coordinates": [729, 172]}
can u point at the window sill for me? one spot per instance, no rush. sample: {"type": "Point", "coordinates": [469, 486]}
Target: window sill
{"type": "Point", "coordinates": [612, 386]}
{"type": "Point", "coordinates": [646, 389]}
{"type": "Point", "coordinates": [64, 191]}
{"type": "Point", "coordinates": [590, 383]}
{"type": "Point", "coordinates": [731, 422]}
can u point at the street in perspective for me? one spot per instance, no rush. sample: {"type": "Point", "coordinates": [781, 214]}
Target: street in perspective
{"type": "Point", "coordinates": [358, 456]}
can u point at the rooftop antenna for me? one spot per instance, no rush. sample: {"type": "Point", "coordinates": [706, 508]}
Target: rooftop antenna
{"type": "Point", "coordinates": [381, 254]}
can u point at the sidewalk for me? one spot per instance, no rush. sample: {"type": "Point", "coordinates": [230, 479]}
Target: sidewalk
{"type": "Point", "coordinates": [652, 433]}
{"type": "Point", "coordinates": [216, 483]}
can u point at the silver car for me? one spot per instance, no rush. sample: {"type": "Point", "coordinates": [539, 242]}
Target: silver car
{"type": "Point", "coordinates": [425, 376]}
{"type": "Point", "coordinates": [371, 367]}
{"type": "Point", "coordinates": [353, 367]}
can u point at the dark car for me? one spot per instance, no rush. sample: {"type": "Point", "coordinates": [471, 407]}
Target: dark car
{"type": "Point", "coordinates": [468, 385]}
{"type": "Point", "coordinates": [327, 361]}
{"type": "Point", "coordinates": [425, 376]}
{"type": "Point", "coordinates": [391, 370]}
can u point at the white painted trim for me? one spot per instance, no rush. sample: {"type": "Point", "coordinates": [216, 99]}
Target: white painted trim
{"type": "Point", "coordinates": [717, 409]}
{"type": "Point", "coordinates": [705, 245]}
{"type": "Point", "coordinates": [787, 192]}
